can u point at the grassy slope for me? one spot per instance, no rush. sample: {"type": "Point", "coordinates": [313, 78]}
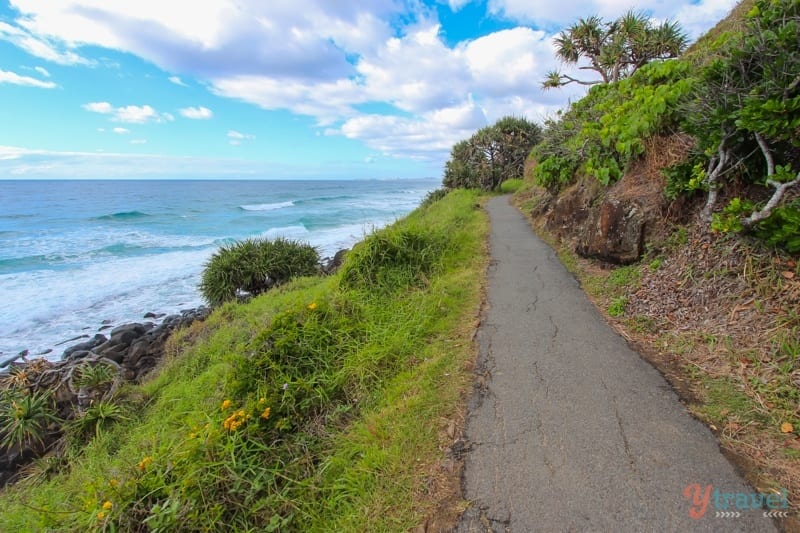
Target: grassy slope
{"type": "Point", "coordinates": [352, 442]}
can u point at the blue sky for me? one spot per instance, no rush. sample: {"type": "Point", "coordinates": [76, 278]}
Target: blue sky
{"type": "Point", "coordinates": [276, 89]}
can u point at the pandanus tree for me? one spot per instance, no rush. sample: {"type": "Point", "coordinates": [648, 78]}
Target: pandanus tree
{"type": "Point", "coordinates": [614, 49]}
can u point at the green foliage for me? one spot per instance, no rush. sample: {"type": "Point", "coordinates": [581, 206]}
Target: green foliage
{"type": "Point", "coordinates": [730, 220]}
{"type": "Point", "coordinates": [617, 307]}
{"type": "Point", "coordinates": [97, 417]}
{"type": "Point", "coordinates": [511, 186]}
{"type": "Point", "coordinates": [686, 177]}
{"type": "Point", "coordinates": [253, 266]}
{"type": "Point", "coordinates": [433, 197]}
{"type": "Point", "coordinates": [782, 228]}
{"type": "Point", "coordinates": [603, 132]}
{"type": "Point", "coordinates": [95, 375]}
{"type": "Point", "coordinates": [745, 110]}
{"type": "Point", "coordinates": [491, 155]}
{"type": "Point", "coordinates": [393, 259]}
{"type": "Point", "coordinates": [615, 49]}
{"type": "Point", "coordinates": [25, 419]}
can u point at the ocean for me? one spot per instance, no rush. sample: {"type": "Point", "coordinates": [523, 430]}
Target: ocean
{"type": "Point", "coordinates": [75, 255]}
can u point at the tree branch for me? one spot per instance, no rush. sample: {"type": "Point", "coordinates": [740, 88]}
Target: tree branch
{"type": "Point", "coordinates": [715, 167]}
{"type": "Point", "coordinates": [767, 154]}
{"type": "Point", "coordinates": [766, 211]}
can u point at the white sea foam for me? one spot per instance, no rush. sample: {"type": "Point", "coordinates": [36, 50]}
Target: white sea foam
{"type": "Point", "coordinates": [267, 207]}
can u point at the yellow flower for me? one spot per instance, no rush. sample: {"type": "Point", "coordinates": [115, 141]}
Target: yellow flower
{"type": "Point", "coordinates": [107, 505]}
{"type": "Point", "coordinates": [192, 435]}
{"type": "Point", "coordinates": [262, 400]}
{"type": "Point", "coordinates": [312, 305]}
{"type": "Point", "coordinates": [266, 413]}
{"type": "Point", "coordinates": [114, 483]}
{"type": "Point", "coordinates": [101, 515]}
{"type": "Point", "coordinates": [144, 463]}
{"type": "Point", "coordinates": [226, 404]}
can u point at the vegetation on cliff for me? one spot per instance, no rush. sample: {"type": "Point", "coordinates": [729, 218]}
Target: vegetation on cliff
{"type": "Point", "coordinates": [322, 405]}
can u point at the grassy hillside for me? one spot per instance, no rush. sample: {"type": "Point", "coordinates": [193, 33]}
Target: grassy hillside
{"type": "Point", "coordinates": [320, 406]}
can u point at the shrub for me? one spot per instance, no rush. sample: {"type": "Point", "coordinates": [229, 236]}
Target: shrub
{"type": "Point", "coordinates": [24, 419]}
{"type": "Point", "coordinates": [511, 185]}
{"type": "Point", "coordinates": [393, 259]}
{"type": "Point", "coordinates": [253, 266]}
{"type": "Point", "coordinates": [433, 196]}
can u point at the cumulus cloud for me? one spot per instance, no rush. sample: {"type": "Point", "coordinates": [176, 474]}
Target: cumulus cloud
{"type": "Point", "coordinates": [15, 79]}
{"type": "Point", "coordinates": [333, 60]}
{"type": "Point", "coordinates": [121, 131]}
{"type": "Point", "coordinates": [131, 114]}
{"type": "Point", "coordinates": [196, 113]}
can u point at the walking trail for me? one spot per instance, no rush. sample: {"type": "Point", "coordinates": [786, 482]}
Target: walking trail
{"type": "Point", "coordinates": [572, 430]}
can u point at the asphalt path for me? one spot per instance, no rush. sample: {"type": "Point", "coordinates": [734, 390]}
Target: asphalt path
{"type": "Point", "coordinates": [569, 428]}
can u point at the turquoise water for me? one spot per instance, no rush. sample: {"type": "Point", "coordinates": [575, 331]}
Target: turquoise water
{"type": "Point", "coordinates": [74, 254]}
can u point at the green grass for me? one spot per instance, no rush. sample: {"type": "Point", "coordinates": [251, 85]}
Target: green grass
{"type": "Point", "coordinates": [512, 185]}
{"type": "Point", "coordinates": [315, 407]}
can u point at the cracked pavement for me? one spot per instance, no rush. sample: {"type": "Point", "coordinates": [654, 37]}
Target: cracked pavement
{"type": "Point", "coordinates": [568, 428]}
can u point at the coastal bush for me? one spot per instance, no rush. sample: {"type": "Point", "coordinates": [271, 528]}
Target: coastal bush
{"type": "Point", "coordinates": [393, 259]}
{"type": "Point", "coordinates": [511, 186]}
{"type": "Point", "coordinates": [603, 132]}
{"type": "Point", "coordinates": [253, 266]}
{"type": "Point", "coordinates": [433, 196]}
{"type": "Point", "coordinates": [25, 419]}
{"type": "Point", "coordinates": [491, 155]}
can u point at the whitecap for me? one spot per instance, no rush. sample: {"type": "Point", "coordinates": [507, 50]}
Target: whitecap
{"type": "Point", "coordinates": [267, 207]}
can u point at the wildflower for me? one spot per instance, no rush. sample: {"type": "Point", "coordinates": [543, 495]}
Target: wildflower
{"type": "Point", "coordinates": [226, 404]}
{"type": "Point", "coordinates": [312, 305]}
{"type": "Point", "coordinates": [114, 483]}
{"type": "Point", "coordinates": [265, 414]}
{"type": "Point", "coordinates": [192, 435]}
{"type": "Point", "coordinates": [285, 386]}
{"type": "Point", "coordinates": [236, 420]}
{"type": "Point", "coordinates": [107, 505]}
{"type": "Point", "coordinates": [144, 463]}
{"type": "Point", "coordinates": [101, 515]}
{"type": "Point", "coordinates": [262, 401]}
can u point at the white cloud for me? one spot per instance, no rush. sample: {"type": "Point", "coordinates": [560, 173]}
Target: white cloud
{"type": "Point", "coordinates": [121, 131]}
{"type": "Point", "coordinates": [196, 113]}
{"type": "Point", "coordinates": [131, 114]}
{"type": "Point", "coordinates": [40, 47]}
{"type": "Point", "coordinates": [43, 71]}
{"type": "Point", "coordinates": [694, 16]}
{"type": "Point", "coordinates": [15, 79]}
{"type": "Point", "coordinates": [99, 107]}
{"type": "Point", "coordinates": [235, 138]}
{"type": "Point", "coordinates": [334, 60]}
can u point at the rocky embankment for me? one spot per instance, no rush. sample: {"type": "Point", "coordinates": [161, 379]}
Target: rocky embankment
{"type": "Point", "coordinates": [88, 372]}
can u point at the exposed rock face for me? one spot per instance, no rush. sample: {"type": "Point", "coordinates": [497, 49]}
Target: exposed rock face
{"type": "Point", "coordinates": [614, 232]}
{"type": "Point", "coordinates": [330, 265]}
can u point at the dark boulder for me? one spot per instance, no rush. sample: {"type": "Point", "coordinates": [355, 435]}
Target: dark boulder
{"type": "Point", "coordinates": [87, 346]}
{"type": "Point", "coordinates": [614, 232]}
